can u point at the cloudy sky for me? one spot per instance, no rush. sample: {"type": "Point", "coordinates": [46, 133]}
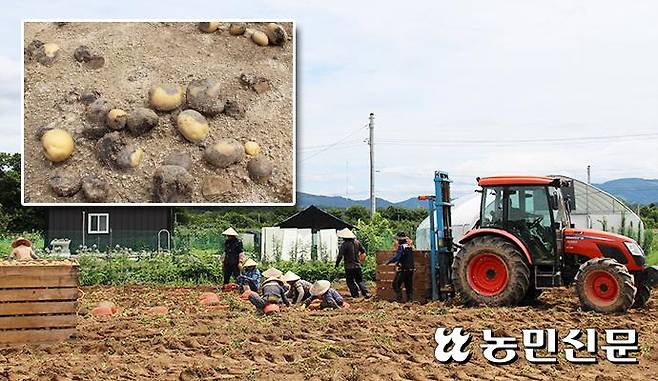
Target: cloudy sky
{"type": "Point", "coordinates": [474, 88]}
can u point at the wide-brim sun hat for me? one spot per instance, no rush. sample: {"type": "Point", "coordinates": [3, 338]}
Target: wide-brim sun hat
{"type": "Point", "coordinates": [230, 232]}
{"type": "Point", "coordinates": [250, 263]}
{"type": "Point", "coordinates": [345, 233]}
{"type": "Point", "coordinates": [272, 273]}
{"type": "Point", "coordinates": [21, 241]}
{"type": "Point", "coordinates": [273, 279]}
{"type": "Point", "coordinates": [291, 277]}
{"type": "Point", "coordinates": [320, 287]}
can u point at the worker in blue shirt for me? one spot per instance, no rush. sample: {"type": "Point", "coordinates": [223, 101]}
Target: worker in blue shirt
{"type": "Point", "coordinates": [250, 277]}
{"type": "Point", "coordinates": [329, 298]}
{"type": "Point", "coordinates": [405, 267]}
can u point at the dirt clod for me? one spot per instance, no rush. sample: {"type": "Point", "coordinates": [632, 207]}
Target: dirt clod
{"type": "Point", "coordinates": [108, 147]}
{"type": "Point", "coordinates": [256, 83]}
{"type": "Point", "coordinates": [95, 188]}
{"type": "Point", "coordinates": [98, 109]}
{"type": "Point", "coordinates": [180, 159]}
{"type": "Point", "coordinates": [234, 109]}
{"type": "Point", "coordinates": [214, 187]}
{"type": "Point", "coordinates": [89, 96]}
{"type": "Point", "coordinates": [141, 121]}
{"type": "Point", "coordinates": [82, 53]}
{"type": "Point", "coordinates": [172, 183]}
{"type": "Point", "coordinates": [65, 183]}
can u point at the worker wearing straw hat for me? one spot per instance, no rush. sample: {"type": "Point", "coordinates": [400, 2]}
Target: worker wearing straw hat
{"type": "Point", "coordinates": [323, 296]}
{"type": "Point", "coordinates": [405, 267]}
{"type": "Point", "coordinates": [350, 251]}
{"type": "Point", "coordinates": [272, 292]}
{"type": "Point", "coordinates": [21, 249]}
{"type": "Point", "coordinates": [300, 290]}
{"type": "Point", "coordinates": [250, 277]}
{"type": "Point", "coordinates": [233, 250]}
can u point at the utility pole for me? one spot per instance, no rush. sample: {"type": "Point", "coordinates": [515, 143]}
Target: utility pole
{"type": "Point", "coordinates": [589, 182]}
{"type": "Point", "coordinates": [371, 143]}
{"type": "Point", "coordinates": [347, 181]}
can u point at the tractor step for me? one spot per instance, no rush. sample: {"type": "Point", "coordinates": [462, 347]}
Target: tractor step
{"type": "Point", "coordinates": [547, 279]}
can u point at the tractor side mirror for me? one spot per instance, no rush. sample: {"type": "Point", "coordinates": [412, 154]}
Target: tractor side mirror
{"type": "Point", "coordinates": [555, 201]}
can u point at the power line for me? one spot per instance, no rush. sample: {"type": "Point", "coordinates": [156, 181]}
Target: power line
{"type": "Point", "coordinates": [491, 142]}
{"type": "Point", "coordinates": [335, 143]}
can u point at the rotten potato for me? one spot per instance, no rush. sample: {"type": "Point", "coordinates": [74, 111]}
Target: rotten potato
{"type": "Point", "coordinates": [192, 125]}
{"type": "Point", "coordinates": [129, 157]}
{"type": "Point", "coordinates": [224, 153]}
{"type": "Point", "coordinates": [141, 121]}
{"type": "Point", "coordinates": [166, 97]}
{"type": "Point", "coordinates": [276, 35]}
{"type": "Point", "coordinates": [57, 144]}
{"type": "Point", "coordinates": [116, 119]}
{"type": "Point", "coordinates": [95, 188]}
{"type": "Point", "coordinates": [237, 29]}
{"type": "Point", "coordinates": [204, 96]}
{"type": "Point", "coordinates": [98, 110]}
{"type": "Point", "coordinates": [208, 27]}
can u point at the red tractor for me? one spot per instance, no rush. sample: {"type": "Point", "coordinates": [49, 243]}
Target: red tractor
{"type": "Point", "coordinates": [524, 242]}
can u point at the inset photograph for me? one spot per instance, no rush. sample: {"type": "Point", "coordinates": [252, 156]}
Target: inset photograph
{"type": "Point", "coordinates": [159, 112]}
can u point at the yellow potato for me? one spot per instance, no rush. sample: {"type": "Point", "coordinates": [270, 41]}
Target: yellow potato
{"type": "Point", "coordinates": [260, 38]}
{"type": "Point", "coordinates": [50, 49]}
{"type": "Point", "coordinates": [192, 125]}
{"type": "Point", "coordinates": [224, 153]}
{"type": "Point", "coordinates": [129, 157]}
{"type": "Point", "coordinates": [166, 97]}
{"type": "Point", "coordinates": [57, 144]}
{"type": "Point", "coordinates": [237, 29]}
{"type": "Point", "coordinates": [116, 119]}
{"type": "Point", "coordinates": [208, 27]}
{"type": "Point", "coordinates": [251, 148]}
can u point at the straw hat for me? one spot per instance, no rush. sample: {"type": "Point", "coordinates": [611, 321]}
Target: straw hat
{"type": "Point", "coordinates": [345, 233]}
{"type": "Point", "coordinates": [273, 279]}
{"type": "Point", "coordinates": [250, 263]}
{"type": "Point", "coordinates": [21, 241]}
{"type": "Point", "coordinates": [272, 273]}
{"type": "Point", "coordinates": [320, 287]}
{"type": "Point", "coordinates": [230, 232]}
{"type": "Point", "coordinates": [291, 277]}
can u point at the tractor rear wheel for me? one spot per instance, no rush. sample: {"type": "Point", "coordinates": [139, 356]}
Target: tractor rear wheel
{"type": "Point", "coordinates": [605, 285]}
{"type": "Point", "coordinates": [490, 270]}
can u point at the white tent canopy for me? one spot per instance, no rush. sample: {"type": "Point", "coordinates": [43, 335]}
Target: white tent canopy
{"type": "Point", "coordinates": [594, 208]}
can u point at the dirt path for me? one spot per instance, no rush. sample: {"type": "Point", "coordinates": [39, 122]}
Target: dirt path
{"type": "Point", "coordinates": [138, 55]}
{"type": "Point", "coordinates": [370, 341]}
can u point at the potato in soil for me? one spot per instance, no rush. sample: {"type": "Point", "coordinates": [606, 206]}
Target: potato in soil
{"type": "Point", "coordinates": [260, 38]}
{"type": "Point", "coordinates": [208, 27]}
{"type": "Point", "coordinates": [260, 169]}
{"type": "Point", "coordinates": [166, 97]}
{"type": "Point", "coordinates": [178, 158]}
{"type": "Point", "coordinates": [116, 119]}
{"type": "Point", "coordinates": [251, 148]}
{"type": "Point", "coordinates": [224, 153]}
{"type": "Point", "coordinates": [276, 35]}
{"type": "Point", "coordinates": [129, 157]}
{"type": "Point", "coordinates": [237, 29]}
{"type": "Point", "coordinates": [57, 144]}
{"type": "Point", "coordinates": [98, 110]}
{"type": "Point", "coordinates": [205, 97]}
{"type": "Point", "coordinates": [192, 125]}
{"type": "Point", "coordinates": [141, 121]}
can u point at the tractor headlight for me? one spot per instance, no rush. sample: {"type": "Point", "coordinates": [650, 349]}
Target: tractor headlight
{"type": "Point", "coordinates": [634, 248]}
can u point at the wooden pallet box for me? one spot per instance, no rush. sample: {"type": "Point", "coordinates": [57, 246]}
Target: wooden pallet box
{"type": "Point", "coordinates": [385, 274]}
{"type": "Point", "coordinates": [38, 301]}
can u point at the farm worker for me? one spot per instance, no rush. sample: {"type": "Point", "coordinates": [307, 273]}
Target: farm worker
{"type": "Point", "coordinates": [350, 251]}
{"type": "Point", "coordinates": [272, 272]}
{"type": "Point", "coordinates": [271, 293]}
{"type": "Point", "coordinates": [323, 296]}
{"type": "Point", "coordinates": [22, 249]}
{"type": "Point", "coordinates": [300, 290]}
{"type": "Point", "coordinates": [404, 270]}
{"type": "Point", "coordinates": [232, 251]}
{"type": "Point", "coordinates": [250, 277]}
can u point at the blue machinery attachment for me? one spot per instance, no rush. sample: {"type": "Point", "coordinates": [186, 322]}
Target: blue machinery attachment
{"type": "Point", "coordinates": [441, 247]}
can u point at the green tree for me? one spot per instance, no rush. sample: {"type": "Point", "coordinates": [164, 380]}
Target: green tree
{"type": "Point", "coordinates": [13, 216]}
{"type": "Point", "coordinates": [375, 233]}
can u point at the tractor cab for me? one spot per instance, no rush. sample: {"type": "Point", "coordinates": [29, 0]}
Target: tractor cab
{"type": "Point", "coordinates": [532, 209]}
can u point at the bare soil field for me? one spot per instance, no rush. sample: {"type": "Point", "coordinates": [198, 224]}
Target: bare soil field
{"type": "Point", "coordinates": [372, 340]}
{"type": "Point", "coordinates": [136, 57]}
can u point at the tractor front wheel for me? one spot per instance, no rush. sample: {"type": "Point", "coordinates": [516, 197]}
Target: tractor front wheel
{"type": "Point", "coordinates": [642, 295]}
{"type": "Point", "coordinates": [605, 285]}
{"type": "Point", "coordinates": [490, 270]}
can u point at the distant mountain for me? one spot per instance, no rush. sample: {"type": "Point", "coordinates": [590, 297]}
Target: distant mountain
{"type": "Point", "coordinates": [632, 190]}
{"type": "Point", "coordinates": [306, 199]}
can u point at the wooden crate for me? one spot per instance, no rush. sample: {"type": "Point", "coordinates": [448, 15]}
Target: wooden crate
{"type": "Point", "coordinates": [385, 274]}
{"type": "Point", "coordinates": [38, 302]}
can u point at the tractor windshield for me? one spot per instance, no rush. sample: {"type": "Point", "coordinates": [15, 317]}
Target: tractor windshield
{"type": "Point", "coordinates": [523, 210]}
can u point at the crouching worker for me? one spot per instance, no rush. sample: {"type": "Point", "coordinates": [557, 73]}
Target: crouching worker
{"type": "Point", "coordinates": [250, 277]}
{"type": "Point", "coordinates": [272, 296]}
{"type": "Point", "coordinates": [21, 249]}
{"type": "Point", "coordinates": [300, 290]}
{"type": "Point", "coordinates": [323, 297]}
{"type": "Point", "coordinates": [404, 270]}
